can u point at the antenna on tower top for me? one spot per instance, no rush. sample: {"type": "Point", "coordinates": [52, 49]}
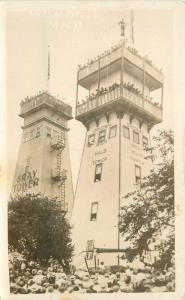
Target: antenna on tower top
{"type": "Point", "coordinates": [48, 75]}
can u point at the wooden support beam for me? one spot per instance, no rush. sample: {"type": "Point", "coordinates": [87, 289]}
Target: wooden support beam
{"type": "Point", "coordinates": [86, 123]}
{"type": "Point", "coordinates": [97, 121]}
{"type": "Point", "coordinates": [76, 92]}
{"type": "Point", "coordinates": [132, 116]}
{"type": "Point", "coordinates": [149, 127]}
{"type": "Point", "coordinates": [143, 86]}
{"type": "Point", "coordinates": [141, 122]}
{"type": "Point", "coordinates": [120, 112]}
{"type": "Point", "coordinates": [107, 115]}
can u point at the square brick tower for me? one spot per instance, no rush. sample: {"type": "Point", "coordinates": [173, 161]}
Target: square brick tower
{"type": "Point", "coordinates": [43, 163]}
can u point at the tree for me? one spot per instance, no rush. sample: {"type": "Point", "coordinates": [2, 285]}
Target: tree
{"type": "Point", "coordinates": [38, 229]}
{"type": "Point", "coordinates": [149, 214]}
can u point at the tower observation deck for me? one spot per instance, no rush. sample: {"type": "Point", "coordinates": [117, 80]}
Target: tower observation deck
{"type": "Point", "coordinates": [117, 68]}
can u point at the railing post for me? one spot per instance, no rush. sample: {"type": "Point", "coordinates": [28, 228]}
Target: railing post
{"type": "Point", "coordinates": [98, 72]}
{"type": "Point", "coordinates": [162, 95]}
{"type": "Point", "coordinates": [77, 92]}
{"type": "Point", "coordinates": [122, 68]}
{"type": "Point", "coordinates": [143, 87]}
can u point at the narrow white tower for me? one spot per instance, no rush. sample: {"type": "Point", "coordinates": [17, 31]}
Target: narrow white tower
{"type": "Point", "coordinates": [118, 113]}
{"type": "Point", "coordinates": [43, 163]}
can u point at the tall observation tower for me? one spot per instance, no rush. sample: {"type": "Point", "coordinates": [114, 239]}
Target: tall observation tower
{"type": "Point", "coordinates": [118, 113]}
{"type": "Point", "coordinates": [43, 163]}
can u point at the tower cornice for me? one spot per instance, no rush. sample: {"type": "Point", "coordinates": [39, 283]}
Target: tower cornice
{"type": "Point", "coordinates": [45, 118]}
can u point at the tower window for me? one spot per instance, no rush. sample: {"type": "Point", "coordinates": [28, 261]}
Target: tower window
{"type": "Point", "coordinates": [26, 136]}
{"type": "Point", "coordinates": [112, 132]}
{"type": "Point", "coordinates": [91, 140]}
{"type": "Point", "coordinates": [90, 249]}
{"type": "Point", "coordinates": [126, 132]}
{"type": "Point", "coordinates": [94, 211]}
{"type": "Point", "coordinates": [145, 141]}
{"type": "Point", "coordinates": [33, 133]}
{"type": "Point", "coordinates": [138, 174]}
{"type": "Point", "coordinates": [101, 137]}
{"type": "Point", "coordinates": [98, 172]}
{"type": "Point", "coordinates": [136, 137]}
{"type": "Point", "coordinates": [48, 131]}
{"type": "Point", "coordinates": [38, 132]}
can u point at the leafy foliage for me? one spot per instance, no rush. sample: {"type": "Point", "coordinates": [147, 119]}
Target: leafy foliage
{"type": "Point", "coordinates": [149, 214]}
{"type": "Point", "coordinates": [38, 229]}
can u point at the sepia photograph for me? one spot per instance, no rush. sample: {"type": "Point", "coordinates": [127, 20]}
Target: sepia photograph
{"type": "Point", "coordinates": [90, 147]}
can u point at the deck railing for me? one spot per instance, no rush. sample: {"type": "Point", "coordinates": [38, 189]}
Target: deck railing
{"type": "Point", "coordinates": [45, 99]}
{"type": "Point", "coordinates": [116, 94]}
{"type": "Point", "coordinates": [134, 58]}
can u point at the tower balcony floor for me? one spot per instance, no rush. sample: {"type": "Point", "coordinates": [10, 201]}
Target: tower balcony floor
{"type": "Point", "coordinates": [59, 175]}
{"type": "Point", "coordinates": [123, 100]}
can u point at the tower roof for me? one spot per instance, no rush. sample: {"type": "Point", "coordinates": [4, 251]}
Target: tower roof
{"type": "Point", "coordinates": [44, 99]}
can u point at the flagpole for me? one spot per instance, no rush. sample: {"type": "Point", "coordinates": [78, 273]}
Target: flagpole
{"type": "Point", "coordinates": [48, 70]}
{"type": "Point", "coordinates": [132, 28]}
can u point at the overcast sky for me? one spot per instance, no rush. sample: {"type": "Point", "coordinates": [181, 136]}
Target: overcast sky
{"type": "Point", "coordinates": [75, 35]}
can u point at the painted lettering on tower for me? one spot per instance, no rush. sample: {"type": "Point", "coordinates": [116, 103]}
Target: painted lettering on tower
{"type": "Point", "coordinates": [26, 181]}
